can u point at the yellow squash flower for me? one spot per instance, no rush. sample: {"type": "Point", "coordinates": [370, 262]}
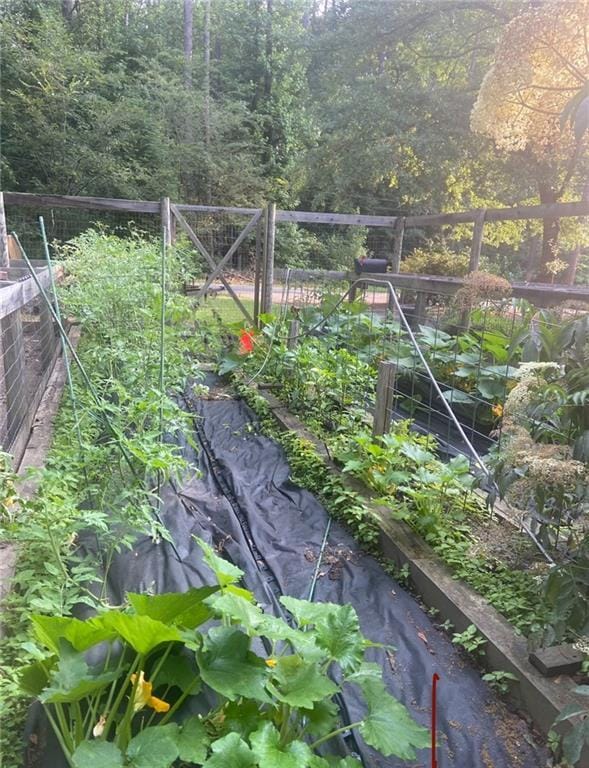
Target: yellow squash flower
{"type": "Point", "coordinates": [143, 697]}
{"type": "Point", "coordinates": [497, 410]}
{"type": "Point", "coordinates": [271, 663]}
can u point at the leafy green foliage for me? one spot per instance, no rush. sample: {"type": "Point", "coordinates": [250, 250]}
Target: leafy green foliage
{"type": "Point", "coordinates": [228, 666]}
{"type": "Point", "coordinates": [270, 710]}
{"type": "Point", "coordinates": [387, 723]}
{"type": "Point", "coordinates": [500, 680]}
{"type": "Point", "coordinates": [155, 747]}
{"type": "Point", "coordinates": [435, 259]}
{"type": "Point", "coordinates": [87, 86]}
{"type": "Point", "coordinates": [329, 377]}
{"type": "Point", "coordinates": [270, 752]}
{"type": "Point", "coordinates": [100, 754]}
{"type": "Point", "coordinates": [517, 594]}
{"type": "Point", "coordinates": [559, 410]}
{"type": "Point", "coordinates": [108, 457]}
{"type": "Point", "coordinates": [578, 736]}
{"type": "Point", "coordinates": [566, 594]}
{"type": "Point", "coordinates": [471, 640]}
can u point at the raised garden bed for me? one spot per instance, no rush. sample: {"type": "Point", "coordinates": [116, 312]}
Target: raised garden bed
{"type": "Point", "coordinates": [505, 649]}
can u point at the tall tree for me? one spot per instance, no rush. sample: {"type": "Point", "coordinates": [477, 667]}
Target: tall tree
{"type": "Point", "coordinates": [207, 94]}
{"type": "Point", "coordinates": [188, 8]}
{"type": "Point", "coordinates": [540, 65]}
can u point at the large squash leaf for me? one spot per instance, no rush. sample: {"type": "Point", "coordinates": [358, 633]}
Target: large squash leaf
{"type": "Point", "coordinates": [181, 609]}
{"type": "Point", "coordinates": [230, 752]}
{"type": "Point", "coordinates": [266, 746]}
{"type": "Point", "coordinates": [154, 747]}
{"type": "Point", "coordinates": [97, 754]}
{"type": "Point", "coordinates": [229, 667]}
{"type": "Point", "coordinates": [300, 683]}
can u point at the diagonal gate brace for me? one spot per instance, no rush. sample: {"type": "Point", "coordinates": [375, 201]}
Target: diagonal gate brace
{"type": "Point", "coordinates": [217, 268]}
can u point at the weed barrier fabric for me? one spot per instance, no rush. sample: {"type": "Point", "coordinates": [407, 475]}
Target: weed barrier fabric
{"type": "Point", "coordinates": [240, 499]}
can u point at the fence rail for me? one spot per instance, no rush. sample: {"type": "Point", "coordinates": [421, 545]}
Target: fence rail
{"type": "Point", "coordinates": [539, 294]}
{"type": "Point", "coordinates": [514, 213]}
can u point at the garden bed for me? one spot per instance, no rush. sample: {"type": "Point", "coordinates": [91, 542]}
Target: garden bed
{"type": "Point", "coordinates": [241, 501]}
{"type": "Point", "coordinates": [150, 472]}
{"type": "Point", "coordinates": [505, 649]}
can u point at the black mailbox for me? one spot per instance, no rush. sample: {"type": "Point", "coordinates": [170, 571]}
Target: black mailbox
{"type": "Point", "coordinates": [370, 265]}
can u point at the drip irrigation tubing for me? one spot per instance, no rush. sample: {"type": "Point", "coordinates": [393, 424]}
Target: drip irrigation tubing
{"type": "Point", "coordinates": [261, 562]}
{"type": "Point", "coordinates": [218, 475]}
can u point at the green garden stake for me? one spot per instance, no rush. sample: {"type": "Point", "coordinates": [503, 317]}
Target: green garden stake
{"type": "Point", "coordinates": [66, 359]}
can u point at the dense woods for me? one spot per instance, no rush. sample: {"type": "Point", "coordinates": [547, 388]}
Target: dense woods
{"type": "Point", "coordinates": [339, 104]}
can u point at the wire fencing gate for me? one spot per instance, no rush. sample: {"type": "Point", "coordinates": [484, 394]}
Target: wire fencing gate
{"type": "Point", "coordinates": [246, 262]}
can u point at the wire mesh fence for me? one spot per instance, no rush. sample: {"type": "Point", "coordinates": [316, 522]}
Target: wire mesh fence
{"type": "Point", "coordinates": [65, 224]}
{"type": "Point", "coordinates": [455, 359]}
{"type": "Point", "coordinates": [29, 341]}
{"type": "Point", "coordinates": [231, 239]}
{"type": "Point", "coordinates": [455, 351]}
{"type": "Point", "coordinates": [29, 345]}
{"type": "Point", "coordinates": [304, 253]}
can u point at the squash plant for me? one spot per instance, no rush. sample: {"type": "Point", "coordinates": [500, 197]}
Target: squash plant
{"type": "Point", "coordinates": [114, 686]}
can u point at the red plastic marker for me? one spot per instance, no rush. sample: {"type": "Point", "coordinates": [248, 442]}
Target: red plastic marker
{"type": "Point", "coordinates": [435, 679]}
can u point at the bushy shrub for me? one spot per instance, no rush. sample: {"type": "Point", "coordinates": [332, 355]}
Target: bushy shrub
{"type": "Point", "coordinates": [436, 259]}
{"type": "Point", "coordinates": [482, 286]}
{"type": "Point", "coordinates": [334, 249]}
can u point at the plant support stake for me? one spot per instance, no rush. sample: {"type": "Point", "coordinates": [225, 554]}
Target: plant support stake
{"type": "Point", "coordinates": [66, 360]}
{"type": "Point", "coordinates": [165, 240]}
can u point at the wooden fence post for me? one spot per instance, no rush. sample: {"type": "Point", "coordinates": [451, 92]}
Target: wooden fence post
{"type": "Point", "coordinates": [293, 334]}
{"type": "Point", "coordinates": [385, 396]}
{"type": "Point", "coordinates": [4, 257]}
{"type": "Point", "coordinates": [477, 241]}
{"type": "Point", "coordinates": [166, 219]}
{"type": "Point", "coordinates": [172, 228]}
{"type": "Point", "coordinates": [13, 357]}
{"type": "Point", "coordinates": [258, 271]}
{"type": "Point", "coordinates": [398, 233]}
{"type": "Point", "coordinates": [268, 272]}
{"type": "Point", "coordinates": [420, 309]}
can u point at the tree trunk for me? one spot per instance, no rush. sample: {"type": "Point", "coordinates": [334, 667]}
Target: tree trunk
{"type": "Point", "coordinates": [268, 82]}
{"type": "Point", "coordinates": [269, 52]}
{"type": "Point", "coordinates": [260, 65]}
{"type": "Point", "coordinates": [188, 43]}
{"type": "Point", "coordinates": [67, 9]}
{"type": "Point", "coordinates": [533, 258]}
{"type": "Point", "coordinates": [550, 235]}
{"type": "Point", "coordinates": [568, 277]}
{"type": "Point", "coordinates": [207, 97]}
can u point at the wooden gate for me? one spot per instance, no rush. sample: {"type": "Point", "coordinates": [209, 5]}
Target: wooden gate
{"type": "Point", "coordinates": [257, 222]}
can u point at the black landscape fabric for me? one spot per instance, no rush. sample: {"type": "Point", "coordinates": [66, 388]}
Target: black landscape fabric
{"type": "Point", "coordinates": [240, 499]}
